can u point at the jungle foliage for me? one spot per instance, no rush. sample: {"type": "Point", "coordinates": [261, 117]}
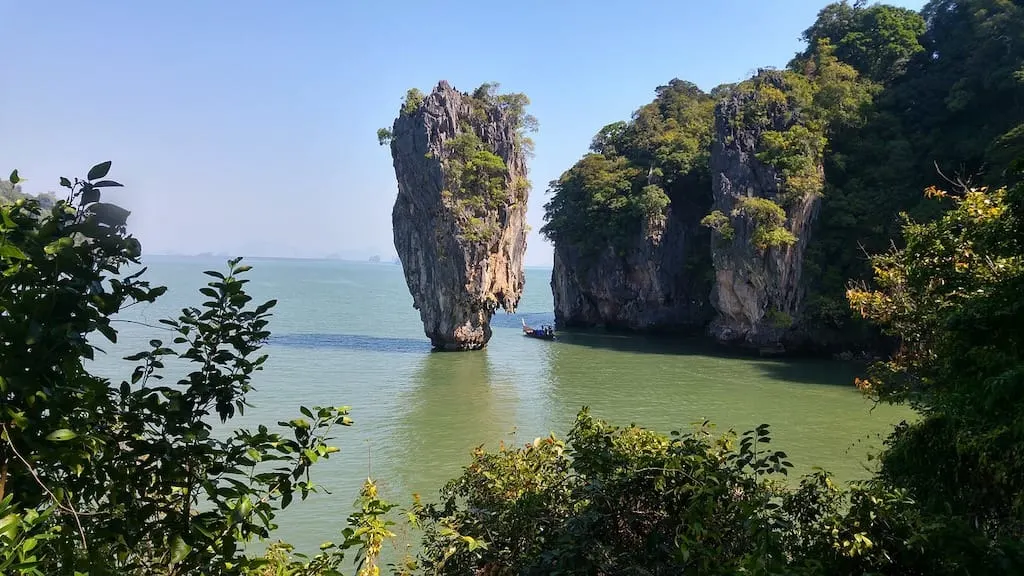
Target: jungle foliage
{"type": "Point", "coordinates": [882, 103]}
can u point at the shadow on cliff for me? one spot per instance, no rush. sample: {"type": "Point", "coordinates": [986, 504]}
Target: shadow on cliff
{"type": "Point", "coordinates": [353, 342]}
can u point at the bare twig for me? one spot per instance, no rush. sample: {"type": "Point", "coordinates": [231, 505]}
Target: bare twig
{"type": "Point", "coordinates": [67, 508]}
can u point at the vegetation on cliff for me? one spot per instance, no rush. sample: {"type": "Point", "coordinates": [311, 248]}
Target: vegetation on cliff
{"type": "Point", "coordinates": [459, 219]}
{"type": "Point", "coordinates": [477, 180]}
{"type": "Point", "coordinates": [881, 104]}
{"type": "Point", "coordinates": [633, 171]}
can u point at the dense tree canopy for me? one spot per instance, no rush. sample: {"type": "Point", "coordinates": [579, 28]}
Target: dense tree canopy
{"type": "Point", "coordinates": [952, 111]}
{"type": "Point", "coordinates": [633, 169]}
{"type": "Point", "coordinates": [878, 40]}
{"type": "Point", "coordinates": [952, 296]}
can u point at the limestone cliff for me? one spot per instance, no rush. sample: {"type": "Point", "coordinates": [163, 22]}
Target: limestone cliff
{"type": "Point", "coordinates": [460, 215]}
{"type": "Point", "coordinates": [630, 253]}
{"type": "Point", "coordinates": [764, 214]}
{"type": "Point", "coordinates": [658, 283]}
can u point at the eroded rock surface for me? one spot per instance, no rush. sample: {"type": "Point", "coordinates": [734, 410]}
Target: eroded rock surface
{"type": "Point", "coordinates": [650, 286]}
{"type": "Point", "coordinates": [757, 292]}
{"type": "Point", "coordinates": [460, 215]}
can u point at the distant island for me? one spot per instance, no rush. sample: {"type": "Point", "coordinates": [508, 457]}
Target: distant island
{"type": "Point", "coordinates": [375, 259]}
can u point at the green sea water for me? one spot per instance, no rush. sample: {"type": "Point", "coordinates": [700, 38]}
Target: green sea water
{"type": "Point", "coordinates": [346, 334]}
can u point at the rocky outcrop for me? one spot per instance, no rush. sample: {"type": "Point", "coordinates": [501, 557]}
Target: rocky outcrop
{"type": "Point", "coordinates": [659, 284]}
{"type": "Point", "coordinates": [460, 215]}
{"type": "Point", "coordinates": [758, 294]}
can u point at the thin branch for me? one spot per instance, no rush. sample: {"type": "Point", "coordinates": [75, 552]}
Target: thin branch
{"type": "Point", "coordinates": [944, 177]}
{"type": "Point", "coordinates": [32, 471]}
{"type": "Point", "coordinates": [165, 328]}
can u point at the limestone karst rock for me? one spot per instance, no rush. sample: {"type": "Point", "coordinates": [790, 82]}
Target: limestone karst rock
{"type": "Point", "coordinates": [723, 251]}
{"type": "Point", "coordinates": [460, 215]}
{"type": "Point", "coordinates": [765, 219]}
{"type": "Point", "coordinates": [647, 286]}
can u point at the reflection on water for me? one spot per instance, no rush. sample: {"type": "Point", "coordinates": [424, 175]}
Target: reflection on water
{"type": "Point", "coordinates": [455, 402]}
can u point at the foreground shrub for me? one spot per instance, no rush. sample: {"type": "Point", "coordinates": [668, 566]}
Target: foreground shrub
{"type": "Point", "coordinates": [632, 501]}
{"type": "Point", "coordinates": [130, 477]}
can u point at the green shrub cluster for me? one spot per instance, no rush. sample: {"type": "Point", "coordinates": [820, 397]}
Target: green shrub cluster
{"type": "Point", "coordinates": [628, 501]}
{"type": "Point", "coordinates": [477, 185]}
{"type": "Point", "coordinates": [768, 221]}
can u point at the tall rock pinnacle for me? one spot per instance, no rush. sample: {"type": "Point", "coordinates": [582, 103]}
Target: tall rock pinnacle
{"type": "Point", "coordinates": [460, 215]}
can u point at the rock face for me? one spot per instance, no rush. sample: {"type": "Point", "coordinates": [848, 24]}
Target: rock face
{"type": "Point", "coordinates": [757, 293]}
{"type": "Point", "coordinates": [659, 284]}
{"type": "Point", "coordinates": [460, 234]}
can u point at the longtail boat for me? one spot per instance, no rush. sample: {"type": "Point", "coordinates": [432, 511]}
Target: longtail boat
{"type": "Point", "coordinates": [545, 332]}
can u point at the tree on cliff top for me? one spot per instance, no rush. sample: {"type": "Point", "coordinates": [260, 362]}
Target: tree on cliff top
{"type": "Point", "coordinates": [633, 170]}
{"type": "Point", "coordinates": [878, 40]}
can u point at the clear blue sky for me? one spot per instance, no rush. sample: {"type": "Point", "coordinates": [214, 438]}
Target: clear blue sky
{"type": "Point", "coordinates": [249, 127]}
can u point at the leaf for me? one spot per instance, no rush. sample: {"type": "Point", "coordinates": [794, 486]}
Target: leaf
{"type": "Point", "coordinates": [61, 435]}
{"type": "Point", "coordinates": [11, 252]}
{"type": "Point", "coordinates": [110, 214]}
{"type": "Point", "coordinates": [89, 195]}
{"type": "Point", "coordinates": [53, 247]}
{"type": "Point", "coordinates": [179, 550]}
{"type": "Point", "coordinates": [107, 184]}
{"type": "Point", "coordinates": [99, 171]}
{"type": "Point", "coordinates": [107, 331]}
{"type": "Point", "coordinates": [65, 182]}
{"type": "Point", "coordinates": [14, 177]}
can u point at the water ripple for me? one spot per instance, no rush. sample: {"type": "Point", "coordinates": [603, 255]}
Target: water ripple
{"type": "Point", "coordinates": [352, 342]}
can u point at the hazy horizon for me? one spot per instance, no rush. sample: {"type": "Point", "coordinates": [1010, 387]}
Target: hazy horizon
{"type": "Point", "coordinates": [250, 127]}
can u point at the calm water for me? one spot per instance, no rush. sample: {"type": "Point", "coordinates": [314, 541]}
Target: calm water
{"type": "Point", "coordinates": [346, 334]}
